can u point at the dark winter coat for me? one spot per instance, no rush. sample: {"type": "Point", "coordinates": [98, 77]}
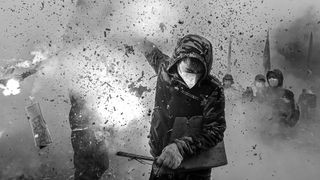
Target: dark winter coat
{"type": "Point", "coordinates": [173, 99]}
{"type": "Point", "coordinates": [282, 101]}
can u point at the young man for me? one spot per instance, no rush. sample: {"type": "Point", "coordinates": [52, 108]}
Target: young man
{"type": "Point", "coordinates": [185, 89]}
{"type": "Point", "coordinates": [281, 100]}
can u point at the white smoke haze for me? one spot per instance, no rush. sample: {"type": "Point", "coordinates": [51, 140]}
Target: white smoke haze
{"type": "Point", "coordinates": [1, 132]}
{"type": "Point", "coordinates": [16, 68]}
{"type": "Point", "coordinates": [90, 58]}
{"type": "Point", "coordinates": [104, 79]}
{"type": "Point", "coordinates": [258, 149]}
{"type": "Point", "coordinates": [24, 64]}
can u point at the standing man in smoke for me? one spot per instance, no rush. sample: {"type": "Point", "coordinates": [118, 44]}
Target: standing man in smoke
{"type": "Point", "coordinates": [285, 110]}
{"type": "Point", "coordinates": [184, 89]}
{"type": "Point", "coordinates": [90, 152]}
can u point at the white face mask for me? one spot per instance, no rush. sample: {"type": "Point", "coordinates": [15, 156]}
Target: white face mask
{"type": "Point", "coordinates": [273, 82]}
{"type": "Point", "coordinates": [259, 84]}
{"type": "Point", "coordinates": [190, 79]}
{"type": "Point", "coordinates": [227, 83]}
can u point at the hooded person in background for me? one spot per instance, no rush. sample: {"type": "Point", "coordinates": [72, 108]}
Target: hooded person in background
{"type": "Point", "coordinates": [258, 91]}
{"type": "Point", "coordinates": [184, 89]}
{"type": "Point", "coordinates": [232, 91]}
{"type": "Point", "coordinates": [227, 81]}
{"type": "Point", "coordinates": [285, 110]}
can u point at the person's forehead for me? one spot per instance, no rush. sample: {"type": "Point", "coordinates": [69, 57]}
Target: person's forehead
{"type": "Point", "coordinates": [272, 75]}
{"type": "Point", "coordinates": [192, 63]}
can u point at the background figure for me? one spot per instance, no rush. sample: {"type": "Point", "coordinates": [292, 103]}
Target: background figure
{"type": "Point", "coordinates": [307, 102]}
{"type": "Point", "coordinates": [232, 91]}
{"type": "Point", "coordinates": [303, 104]}
{"type": "Point", "coordinates": [258, 91]}
{"type": "Point", "coordinates": [285, 110]}
{"type": "Point", "coordinates": [227, 81]}
{"type": "Point", "coordinates": [90, 153]}
{"type": "Point", "coordinates": [19, 73]}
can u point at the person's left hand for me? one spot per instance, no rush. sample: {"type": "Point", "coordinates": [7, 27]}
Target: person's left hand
{"type": "Point", "coordinates": [170, 157]}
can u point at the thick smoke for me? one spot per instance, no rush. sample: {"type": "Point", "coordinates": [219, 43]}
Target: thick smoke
{"type": "Point", "coordinates": [292, 44]}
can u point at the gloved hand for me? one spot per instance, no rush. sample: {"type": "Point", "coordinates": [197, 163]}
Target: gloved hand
{"type": "Point", "coordinates": [170, 157]}
{"type": "Point", "coordinates": [161, 170]}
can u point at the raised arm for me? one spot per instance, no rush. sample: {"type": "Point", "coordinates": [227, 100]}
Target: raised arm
{"type": "Point", "coordinates": [152, 53]}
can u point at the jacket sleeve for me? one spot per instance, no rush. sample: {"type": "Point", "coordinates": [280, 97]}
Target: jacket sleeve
{"type": "Point", "coordinates": [213, 127]}
{"type": "Point", "coordinates": [155, 58]}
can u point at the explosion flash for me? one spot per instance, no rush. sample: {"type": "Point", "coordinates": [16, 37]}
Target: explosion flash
{"type": "Point", "coordinates": [120, 109]}
{"type": "Point", "coordinates": [12, 87]}
{"type": "Point", "coordinates": [39, 56]}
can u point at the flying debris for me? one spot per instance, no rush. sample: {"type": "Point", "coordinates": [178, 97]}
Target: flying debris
{"type": "Point", "coordinates": [42, 6]}
{"type": "Point", "coordinates": [41, 134]}
{"type": "Point", "coordinates": [12, 75]}
{"type": "Point", "coordinates": [162, 26]}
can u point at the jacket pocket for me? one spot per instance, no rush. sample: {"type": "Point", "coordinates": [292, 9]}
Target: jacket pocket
{"type": "Point", "coordinates": [184, 126]}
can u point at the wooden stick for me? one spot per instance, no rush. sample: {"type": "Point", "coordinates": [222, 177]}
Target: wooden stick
{"type": "Point", "coordinates": [134, 156]}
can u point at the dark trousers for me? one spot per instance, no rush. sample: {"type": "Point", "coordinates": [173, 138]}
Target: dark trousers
{"type": "Point", "coordinates": [189, 175]}
{"type": "Point", "coordinates": [90, 155]}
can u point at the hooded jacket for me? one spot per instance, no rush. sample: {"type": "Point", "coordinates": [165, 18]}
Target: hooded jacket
{"type": "Point", "coordinates": [173, 99]}
{"type": "Point", "coordinates": [282, 100]}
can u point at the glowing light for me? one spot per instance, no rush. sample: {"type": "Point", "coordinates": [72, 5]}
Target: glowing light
{"type": "Point", "coordinates": [119, 108]}
{"type": "Point", "coordinates": [12, 87]}
{"type": "Point", "coordinates": [39, 56]}
{"type": "Point", "coordinates": [24, 64]}
{"type": "Point", "coordinates": [1, 132]}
